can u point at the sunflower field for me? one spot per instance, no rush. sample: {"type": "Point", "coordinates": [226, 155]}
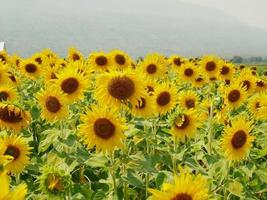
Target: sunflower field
{"type": "Point", "coordinates": [107, 126]}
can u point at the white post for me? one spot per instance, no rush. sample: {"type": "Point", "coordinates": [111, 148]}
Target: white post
{"type": "Point", "coordinates": [2, 46]}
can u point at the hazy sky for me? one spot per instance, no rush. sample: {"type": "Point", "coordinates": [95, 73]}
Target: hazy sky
{"type": "Point", "coordinates": [253, 12]}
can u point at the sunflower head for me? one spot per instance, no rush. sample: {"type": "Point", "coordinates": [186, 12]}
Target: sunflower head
{"type": "Point", "coordinates": [188, 99]}
{"type": "Point", "coordinates": [3, 73]}
{"type": "Point", "coordinates": [176, 62]}
{"type": "Point", "coordinates": [120, 60]}
{"type": "Point", "coordinates": [7, 93]}
{"type": "Point", "coordinates": [74, 55]}
{"type": "Point", "coordinates": [226, 70]}
{"type": "Point", "coordinates": [143, 107]}
{"type": "Point", "coordinates": [99, 62]}
{"type": "Point", "coordinates": [30, 69]}
{"type": "Point", "coordinates": [4, 57]}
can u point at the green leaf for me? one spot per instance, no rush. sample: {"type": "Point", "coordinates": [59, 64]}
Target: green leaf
{"type": "Point", "coordinates": [97, 160]}
{"type": "Point", "coordinates": [262, 174]}
{"type": "Point", "coordinates": [160, 179]}
{"type": "Point", "coordinates": [134, 180]}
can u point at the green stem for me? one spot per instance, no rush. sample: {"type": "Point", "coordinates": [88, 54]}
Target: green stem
{"type": "Point", "coordinates": [112, 173]}
{"type": "Point", "coordinates": [210, 128]}
{"type": "Point", "coordinates": [174, 154]}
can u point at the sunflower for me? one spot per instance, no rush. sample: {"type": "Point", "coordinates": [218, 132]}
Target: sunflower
{"type": "Point", "coordinates": [7, 93]}
{"type": "Point", "coordinates": [13, 79]}
{"type": "Point", "coordinates": [53, 104]}
{"type": "Point", "coordinates": [3, 73]}
{"type": "Point", "coordinates": [199, 81]}
{"type": "Point", "coordinates": [188, 72]}
{"type": "Point", "coordinates": [258, 106]}
{"type": "Point", "coordinates": [210, 65]}
{"type": "Point", "coordinates": [18, 193]}
{"type": "Point", "coordinates": [103, 128]}
{"type": "Point", "coordinates": [37, 57]}
{"type": "Point", "coordinates": [261, 85]}
{"type": "Point", "coordinates": [143, 107]}
{"type": "Point", "coordinates": [176, 62]}
{"type": "Point", "coordinates": [30, 69]}
{"type": "Point", "coordinates": [116, 87]}
{"type": "Point", "coordinates": [99, 61]}
{"type": "Point", "coordinates": [55, 181]}
{"type": "Point", "coordinates": [3, 57]}
{"type": "Point", "coordinates": [49, 74]}
{"type": "Point", "coordinates": [188, 99]}
{"type": "Point", "coordinates": [18, 148]}
{"type": "Point", "coordinates": [236, 141]}
{"type": "Point", "coordinates": [154, 66]}
{"type": "Point", "coordinates": [226, 71]}
{"type": "Point", "coordinates": [165, 98]}
{"type": "Point", "coordinates": [234, 96]}
{"type": "Point", "coordinates": [248, 82]}
{"type": "Point", "coordinates": [150, 86]}
{"type": "Point", "coordinates": [185, 187]}
{"type": "Point", "coordinates": [74, 55]}
{"type": "Point", "coordinates": [72, 83]}
{"type": "Point", "coordinates": [12, 117]}
{"type": "Point", "coordinates": [15, 61]}
{"type": "Point", "coordinates": [119, 59]}
{"type": "Point", "coordinates": [185, 125]}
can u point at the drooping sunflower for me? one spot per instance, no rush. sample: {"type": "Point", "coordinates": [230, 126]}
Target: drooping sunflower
{"type": "Point", "coordinates": [14, 118]}
{"type": "Point", "coordinates": [55, 181]}
{"type": "Point", "coordinates": [188, 99]}
{"type": "Point", "coordinates": [13, 79]}
{"type": "Point", "coordinates": [99, 61]}
{"type": "Point", "coordinates": [226, 71]}
{"type": "Point", "coordinates": [7, 93]}
{"type": "Point", "coordinates": [15, 61]}
{"type": "Point", "coordinates": [185, 187]}
{"type": "Point", "coordinates": [72, 83]}
{"type": "Point", "coordinates": [176, 62]}
{"type": "Point", "coordinates": [154, 66]}
{"type": "Point", "coordinates": [261, 85]}
{"type": "Point", "coordinates": [150, 86]}
{"type": "Point", "coordinates": [74, 55]}
{"type": "Point", "coordinates": [234, 96]}
{"type": "Point", "coordinates": [185, 125]}
{"type": "Point", "coordinates": [49, 74]}
{"type": "Point", "coordinates": [188, 72]}
{"type": "Point", "coordinates": [3, 57]}
{"type": "Point", "coordinates": [199, 81]}
{"type": "Point", "coordinates": [143, 107]}
{"type": "Point", "coordinates": [119, 60]}
{"type": "Point", "coordinates": [54, 105]}
{"type": "Point", "coordinates": [17, 193]}
{"type": "Point", "coordinates": [30, 69]}
{"type": "Point", "coordinates": [18, 148]}
{"type": "Point", "coordinates": [236, 141]}
{"type": "Point", "coordinates": [210, 65]}
{"type": "Point", "coordinates": [165, 98]}
{"type": "Point", "coordinates": [248, 82]}
{"type": "Point", "coordinates": [115, 87]}
{"type": "Point", "coordinates": [257, 106]}
{"type": "Point", "coordinates": [102, 128]}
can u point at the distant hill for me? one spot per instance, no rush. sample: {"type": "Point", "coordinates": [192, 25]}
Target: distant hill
{"type": "Point", "coordinates": [135, 26]}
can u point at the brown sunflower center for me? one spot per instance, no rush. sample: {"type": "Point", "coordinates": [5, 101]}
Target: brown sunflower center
{"type": "Point", "coordinates": [39, 60]}
{"type": "Point", "coordinates": [185, 123]}
{"type": "Point", "coordinates": [199, 79]}
{"type": "Point", "coordinates": [210, 66]}
{"type": "Point", "coordinates": [121, 88]}
{"type": "Point", "coordinates": [101, 60]}
{"type": "Point", "coordinates": [52, 104]}
{"type": "Point", "coordinates": [239, 139]}
{"type": "Point", "coordinates": [260, 83]}
{"type": "Point", "coordinates": [70, 85]}
{"type": "Point", "coordinates": [151, 69]}
{"type": "Point", "coordinates": [225, 70]}
{"type": "Point", "coordinates": [182, 196]}
{"type": "Point", "coordinates": [227, 81]}
{"type": "Point", "coordinates": [75, 57]}
{"type": "Point", "coordinates": [53, 76]}
{"type": "Point", "coordinates": [104, 128]}
{"type": "Point", "coordinates": [257, 105]}
{"type": "Point", "coordinates": [12, 78]}
{"type": "Point", "coordinates": [141, 103]}
{"type": "Point", "coordinates": [30, 68]}
{"type": "Point", "coordinates": [120, 59]}
{"type": "Point", "coordinates": [9, 116]}
{"type": "Point", "coordinates": [177, 61]}
{"type": "Point", "coordinates": [188, 72]}
{"type": "Point", "coordinates": [2, 58]}
{"type": "Point", "coordinates": [163, 98]}
{"type": "Point", "coordinates": [246, 84]}
{"type": "Point", "coordinates": [190, 103]}
{"type": "Point", "coordinates": [3, 96]}
{"type": "Point", "coordinates": [12, 151]}
{"type": "Point", "coordinates": [234, 96]}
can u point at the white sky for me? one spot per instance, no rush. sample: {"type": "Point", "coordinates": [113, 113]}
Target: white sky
{"type": "Point", "coordinates": [252, 12]}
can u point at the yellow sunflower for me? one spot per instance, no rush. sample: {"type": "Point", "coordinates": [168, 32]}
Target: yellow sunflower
{"type": "Point", "coordinates": [3, 73]}
{"type": "Point", "coordinates": [7, 93]}
{"type": "Point", "coordinates": [261, 85]}
{"type": "Point", "coordinates": [99, 61]}
{"type": "Point", "coordinates": [13, 79]}
{"type": "Point", "coordinates": [119, 59]}
{"type": "Point", "coordinates": [165, 98]}
{"type": "Point", "coordinates": [72, 83]}
{"type": "Point", "coordinates": [15, 61]}
{"type": "Point", "coordinates": [18, 148]}
{"type": "Point", "coordinates": [236, 141]}
{"type": "Point", "coordinates": [210, 65]}
{"type": "Point", "coordinates": [226, 71]}
{"type": "Point", "coordinates": [3, 57]}
{"type": "Point", "coordinates": [103, 128]}
{"type": "Point", "coordinates": [150, 86]}
{"type": "Point", "coordinates": [234, 96]}
{"type": "Point", "coordinates": [176, 62]}
{"type": "Point", "coordinates": [154, 66]}
{"type": "Point", "coordinates": [248, 82]}
{"type": "Point", "coordinates": [188, 99]}
{"type": "Point", "coordinates": [115, 87]}
{"type": "Point", "coordinates": [185, 125]}
{"type": "Point", "coordinates": [30, 69]}
{"type": "Point", "coordinates": [185, 187]}
{"type": "Point", "coordinates": [188, 72]}
{"type": "Point", "coordinates": [18, 193]}
{"type": "Point", "coordinates": [199, 81]}
{"type": "Point", "coordinates": [143, 107]}
{"type": "Point", "coordinates": [257, 106]}
{"type": "Point", "coordinates": [74, 55]}
{"type": "Point", "coordinates": [49, 74]}
{"type": "Point", "coordinates": [14, 118]}
{"type": "Point", "coordinates": [53, 104]}
{"type": "Point", "coordinates": [37, 57]}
